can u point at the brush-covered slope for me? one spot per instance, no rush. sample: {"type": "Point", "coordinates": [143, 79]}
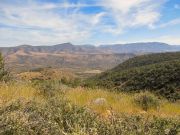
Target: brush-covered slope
{"type": "Point", "coordinates": [26, 57]}
{"type": "Point", "coordinates": [159, 73]}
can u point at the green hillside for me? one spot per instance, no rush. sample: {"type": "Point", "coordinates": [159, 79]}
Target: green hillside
{"type": "Point", "coordinates": [148, 59]}
{"type": "Point", "coordinates": [158, 73]}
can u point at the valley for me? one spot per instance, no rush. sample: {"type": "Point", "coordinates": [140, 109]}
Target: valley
{"type": "Point", "coordinates": [83, 93]}
{"type": "Point", "coordinates": [82, 57]}
{"type": "Point", "coordinates": [89, 67]}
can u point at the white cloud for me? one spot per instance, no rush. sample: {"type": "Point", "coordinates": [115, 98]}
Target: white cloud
{"type": "Point", "coordinates": [34, 37]}
{"type": "Point", "coordinates": [170, 23]}
{"type": "Point", "coordinates": [169, 39]}
{"type": "Point", "coordinates": [41, 24]}
{"type": "Point", "coordinates": [172, 40]}
{"type": "Point", "coordinates": [133, 13]}
{"type": "Point", "coordinates": [33, 22]}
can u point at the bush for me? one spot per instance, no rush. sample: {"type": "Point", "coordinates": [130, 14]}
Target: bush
{"type": "Point", "coordinates": [146, 101]}
{"type": "Point", "coordinates": [4, 75]}
{"type": "Point", "coordinates": [59, 117]}
{"type": "Point", "coordinates": [55, 117]}
{"type": "Point", "coordinates": [71, 83]}
{"type": "Point", "coordinates": [48, 88]}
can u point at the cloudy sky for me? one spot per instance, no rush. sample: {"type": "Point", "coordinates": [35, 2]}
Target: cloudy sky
{"type": "Point", "coordinates": [46, 22]}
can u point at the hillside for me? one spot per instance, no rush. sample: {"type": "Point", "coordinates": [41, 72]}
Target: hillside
{"type": "Point", "coordinates": [159, 73]}
{"type": "Point", "coordinates": [23, 58]}
{"type": "Point", "coordinates": [67, 55]}
{"type": "Point", "coordinates": [143, 60]}
{"type": "Point", "coordinates": [50, 101]}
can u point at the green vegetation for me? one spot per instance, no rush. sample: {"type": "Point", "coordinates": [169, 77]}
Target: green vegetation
{"type": "Point", "coordinates": [146, 101]}
{"type": "Point", "coordinates": [4, 76]}
{"type": "Point", "coordinates": [158, 73]}
{"type": "Point", "coordinates": [148, 59]}
{"type": "Point", "coordinates": [31, 112]}
{"type": "Point", "coordinates": [52, 102]}
{"type": "Point", "coordinates": [57, 117]}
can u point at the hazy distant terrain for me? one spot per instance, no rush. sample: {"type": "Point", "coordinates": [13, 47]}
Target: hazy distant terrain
{"type": "Point", "coordinates": [149, 47]}
{"type": "Point", "coordinates": [66, 55]}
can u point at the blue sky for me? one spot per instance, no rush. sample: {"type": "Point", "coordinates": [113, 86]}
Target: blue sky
{"type": "Point", "coordinates": [48, 22]}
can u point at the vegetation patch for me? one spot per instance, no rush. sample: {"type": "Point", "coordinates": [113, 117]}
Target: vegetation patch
{"type": "Point", "coordinates": [4, 74]}
{"type": "Point", "coordinates": [146, 101]}
{"type": "Point", "coordinates": [57, 105]}
{"type": "Point", "coordinates": [58, 116]}
{"type": "Point", "coordinates": [159, 73]}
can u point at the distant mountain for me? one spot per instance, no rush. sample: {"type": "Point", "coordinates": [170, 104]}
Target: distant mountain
{"type": "Point", "coordinates": [26, 57]}
{"type": "Point", "coordinates": [151, 47]}
{"type": "Point", "coordinates": [158, 73]}
{"type": "Point", "coordinates": [67, 55]}
{"type": "Point", "coordinates": [66, 48]}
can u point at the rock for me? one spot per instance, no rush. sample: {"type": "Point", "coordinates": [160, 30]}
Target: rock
{"type": "Point", "coordinates": [100, 101]}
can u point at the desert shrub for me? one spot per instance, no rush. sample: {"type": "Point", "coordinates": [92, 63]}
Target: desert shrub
{"type": "Point", "coordinates": [55, 117]}
{"type": "Point", "coordinates": [146, 101]}
{"type": "Point", "coordinates": [138, 125]}
{"type": "Point", "coordinates": [76, 82]}
{"type": "Point", "coordinates": [4, 74]}
{"type": "Point", "coordinates": [71, 82]}
{"type": "Point", "coordinates": [59, 117]}
{"type": "Point", "coordinates": [89, 84]}
{"type": "Point", "coordinates": [48, 88]}
{"type": "Point", "coordinates": [36, 69]}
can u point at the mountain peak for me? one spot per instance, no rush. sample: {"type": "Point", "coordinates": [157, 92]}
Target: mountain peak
{"type": "Point", "coordinates": [24, 46]}
{"type": "Point", "coordinates": [65, 44]}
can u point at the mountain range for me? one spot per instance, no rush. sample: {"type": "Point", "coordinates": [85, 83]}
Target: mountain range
{"type": "Point", "coordinates": [67, 55]}
{"type": "Point", "coordinates": [149, 47]}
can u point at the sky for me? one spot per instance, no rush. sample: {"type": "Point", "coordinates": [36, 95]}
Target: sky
{"type": "Point", "coordinates": [97, 22]}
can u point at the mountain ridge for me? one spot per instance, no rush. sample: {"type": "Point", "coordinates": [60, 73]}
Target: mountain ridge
{"type": "Point", "coordinates": [146, 47]}
{"type": "Point", "coordinates": [67, 55]}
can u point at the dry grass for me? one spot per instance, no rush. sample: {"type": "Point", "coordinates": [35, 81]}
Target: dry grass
{"type": "Point", "coordinates": [51, 116]}
{"type": "Point", "coordinates": [47, 74]}
{"type": "Point", "coordinates": [30, 75]}
{"type": "Point", "coordinates": [13, 91]}
{"type": "Point", "coordinates": [118, 102]}
{"type": "Point", "coordinates": [170, 109]}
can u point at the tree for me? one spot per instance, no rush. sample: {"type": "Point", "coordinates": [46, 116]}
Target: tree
{"type": "Point", "coordinates": [4, 75]}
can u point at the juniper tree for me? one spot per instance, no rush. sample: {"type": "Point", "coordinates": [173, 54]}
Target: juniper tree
{"type": "Point", "coordinates": [3, 73]}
